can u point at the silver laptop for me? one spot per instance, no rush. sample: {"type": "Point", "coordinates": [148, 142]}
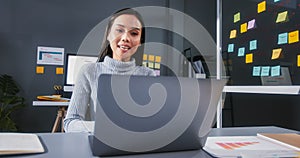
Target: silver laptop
{"type": "Point", "coordinates": [142, 114]}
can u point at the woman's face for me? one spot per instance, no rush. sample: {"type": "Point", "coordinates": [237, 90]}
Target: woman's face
{"type": "Point", "coordinates": [125, 37]}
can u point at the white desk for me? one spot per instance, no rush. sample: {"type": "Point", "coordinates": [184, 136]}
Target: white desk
{"type": "Point", "coordinates": [61, 112]}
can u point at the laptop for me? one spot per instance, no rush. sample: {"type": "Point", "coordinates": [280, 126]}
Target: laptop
{"type": "Point", "coordinates": [142, 114]}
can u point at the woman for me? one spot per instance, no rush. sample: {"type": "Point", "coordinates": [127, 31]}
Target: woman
{"type": "Point", "coordinates": [125, 34]}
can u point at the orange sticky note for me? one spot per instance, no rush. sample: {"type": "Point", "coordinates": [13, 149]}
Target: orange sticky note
{"type": "Point", "coordinates": [249, 58]}
{"type": "Point", "coordinates": [293, 36]}
{"type": "Point", "coordinates": [261, 6]}
{"type": "Point", "coordinates": [145, 57]}
{"type": "Point", "coordinates": [276, 53]}
{"type": "Point", "coordinates": [232, 34]}
{"type": "Point", "coordinates": [151, 58]}
{"type": "Point", "coordinates": [40, 69]}
{"type": "Point", "coordinates": [244, 27]}
{"type": "Point", "coordinates": [157, 59]}
{"type": "Point", "coordinates": [59, 71]}
{"type": "Point", "coordinates": [298, 60]}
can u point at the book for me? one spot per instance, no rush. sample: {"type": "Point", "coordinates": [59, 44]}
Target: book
{"type": "Point", "coordinates": [246, 146]}
{"type": "Point", "coordinates": [291, 140]}
{"type": "Point", "coordinates": [20, 143]}
{"type": "Point", "coordinates": [57, 98]}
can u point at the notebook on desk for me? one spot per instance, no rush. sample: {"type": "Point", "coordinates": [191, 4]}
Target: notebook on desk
{"type": "Point", "coordinates": [140, 114]}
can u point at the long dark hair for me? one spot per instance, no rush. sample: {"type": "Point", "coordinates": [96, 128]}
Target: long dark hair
{"type": "Point", "coordinates": [105, 48]}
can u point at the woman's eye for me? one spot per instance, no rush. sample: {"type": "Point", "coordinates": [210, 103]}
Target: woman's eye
{"type": "Point", "coordinates": [119, 30]}
{"type": "Point", "coordinates": [134, 33]}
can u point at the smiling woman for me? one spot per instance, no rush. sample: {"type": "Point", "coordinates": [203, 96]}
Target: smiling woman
{"type": "Point", "coordinates": [124, 37]}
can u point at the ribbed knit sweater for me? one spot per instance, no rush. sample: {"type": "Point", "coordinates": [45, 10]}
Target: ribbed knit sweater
{"type": "Point", "coordinates": [81, 110]}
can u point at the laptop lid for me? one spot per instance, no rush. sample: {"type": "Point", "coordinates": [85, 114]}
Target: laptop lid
{"type": "Point", "coordinates": [142, 114]}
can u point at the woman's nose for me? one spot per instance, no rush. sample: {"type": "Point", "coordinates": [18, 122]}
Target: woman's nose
{"type": "Point", "coordinates": [125, 37]}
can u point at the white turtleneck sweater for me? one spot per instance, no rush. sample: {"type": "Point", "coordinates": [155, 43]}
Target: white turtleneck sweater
{"type": "Point", "coordinates": [80, 115]}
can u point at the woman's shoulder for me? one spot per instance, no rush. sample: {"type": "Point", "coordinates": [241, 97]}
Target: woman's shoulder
{"type": "Point", "coordinates": [146, 71]}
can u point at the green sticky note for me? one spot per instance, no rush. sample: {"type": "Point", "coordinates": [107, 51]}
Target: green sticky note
{"type": "Point", "coordinates": [241, 51]}
{"type": "Point", "coordinates": [253, 45]}
{"type": "Point", "coordinates": [230, 48]}
{"type": "Point", "coordinates": [275, 70]}
{"type": "Point", "coordinates": [256, 71]}
{"type": "Point", "coordinates": [283, 38]}
{"type": "Point", "coordinates": [265, 71]}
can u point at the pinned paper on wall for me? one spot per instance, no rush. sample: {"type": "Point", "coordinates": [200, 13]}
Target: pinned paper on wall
{"type": "Point", "coordinates": [59, 71]}
{"type": "Point", "coordinates": [150, 65]}
{"type": "Point", "coordinates": [237, 17]}
{"type": "Point", "coordinates": [276, 0]}
{"type": "Point", "coordinates": [283, 38]}
{"type": "Point", "coordinates": [275, 71]}
{"type": "Point", "coordinates": [256, 71]}
{"type": "Point", "coordinates": [40, 69]}
{"type": "Point", "coordinates": [144, 63]}
{"type": "Point", "coordinates": [249, 58]}
{"type": "Point", "coordinates": [243, 28]}
{"type": "Point", "coordinates": [282, 17]}
{"type": "Point", "coordinates": [158, 59]}
{"type": "Point", "coordinates": [157, 66]}
{"type": "Point", "coordinates": [232, 34]}
{"type": "Point", "coordinates": [241, 51]}
{"type": "Point", "coordinates": [253, 45]}
{"type": "Point", "coordinates": [298, 60]}
{"type": "Point", "coordinates": [251, 24]}
{"type": "Point", "coordinates": [276, 53]}
{"type": "Point", "coordinates": [151, 58]}
{"type": "Point", "coordinates": [293, 36]}
{"type": "Point", "coordinates": [265, 70]}
{"type": "Point", "coordinates": [261, 6]}
{"type": "Point", "coordinates": [230, 48]}
{"type": "Point", "coordinates": [145, 57]}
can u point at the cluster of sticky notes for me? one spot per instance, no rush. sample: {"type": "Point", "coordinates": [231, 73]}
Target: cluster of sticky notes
{"type": "Point", "coordinates": [266, 71]}
{"type": "Point", "coordinates": [151, 61]}
{"type": "Point", "coordinates": [288, 37]}
{"type": "Point", "coordinates": [41, 70]}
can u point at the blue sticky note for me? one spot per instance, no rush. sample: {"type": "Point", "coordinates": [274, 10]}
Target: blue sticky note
{"type": "Point", "coordinates": [283, 38]}
{"type": "Point", "coordinates": [230, 48]}
{"type": "Point", "coordinates": [276, 0]}
{"type": "Point", "coordinates": [253, 45]}
{"type": "Point", "coordinates": [256, 71]}
{"type": "Point", "coordinates": [265, 70]}
{"type": "Point", "coordinates": [275, 70]}
{"type": "Point", "coordinates": [241, 51]}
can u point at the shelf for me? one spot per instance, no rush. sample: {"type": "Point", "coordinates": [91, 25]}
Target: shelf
{"type": "Point", "coordinates": [294, 90]}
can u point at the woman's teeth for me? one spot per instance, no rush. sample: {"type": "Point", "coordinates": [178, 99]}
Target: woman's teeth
{"type": "Point", "coordinates": [124, 47]}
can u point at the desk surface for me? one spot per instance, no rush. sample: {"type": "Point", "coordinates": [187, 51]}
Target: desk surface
{"type": "Point", "coordinates": [76, 145]}
{"type": "Point", "coordinates": [50, 103]}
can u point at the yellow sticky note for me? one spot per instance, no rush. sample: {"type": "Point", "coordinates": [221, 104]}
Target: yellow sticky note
{"type": "Point", "coordinates": [40, 69]}
{"type": "Point", "coordinates": [261, 6]}
{"type": "Point", "coordinates": [244, 27]}
{"type": "Point", "coordinates": [150, 65]}
{"type": "Point", "coordinates": [59, 71]}
{"type": "Point", "coordinates": [282, 17]}
{"type": "Point", "coordinates": [145, 57]}
{"type": "Point", "coordinates": [151, 58]}
{"type": "Point", "coordinates": [298, 60]}
{"type": "Point", "coordinates": [232, 34]}
{"type": "Point", "coordinates": [157, 59]}
{"type": "Point", "coordinates": [276, 53]}
{"type": "Point", "coordinates": [157, 66]}
{"type": "Point", "coordinates": [293, 36]}
{"type": "Point", "coordinates": [237, 17]}
{"type": "Point", "coordinates": [249, 58]}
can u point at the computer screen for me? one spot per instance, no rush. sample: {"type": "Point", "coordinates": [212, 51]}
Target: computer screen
{"type": "Point", "coordinates": [74, 63]}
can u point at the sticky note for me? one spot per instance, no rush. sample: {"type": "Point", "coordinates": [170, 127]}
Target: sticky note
{"type": "Point", "coordinates": [293, 36]}
{"type": "Point", "coordinates": [249, 58]}
{"type": "Point", "coordinates": [158, 59]}
{"type": "Point", "coordinates": [256, 71]}
{"type": "Point", "coordinates": [283, 38]}
{"type": "Point", "coordinates": [276, 0]}
{"type": "Point", "coordinates": [145, 56]}
{"type": "Point", "coordinates": [59, 71]}
{"type": "Point", "coordinates": [276, 53]}
{"type": "Point", "coordinates": [265, 70]}
{"type": "Point", "coordinates": [241, 51]}
{"type": "Point", "coordinates": [243, 28]}
{"type": "Point", "coordinates": [151, 58]}
{"type": "Point", "coordinates": [230, 48]}
{"type": "Point", "coordinates": [150, 65]}
{"type": "Point", "coordinates": [275, 71]}
{"type": "Point", "coordinates": [253, 45]}
{"type": "Point", "coordinates": [40, 69]}
{"type": "Point", "coordinates": [282, 17]}
{"type": "Point", "coordinates": [144, 63]}
{"type": "Point", "coordinates": [298, 60]}
{"type": "Point", "coordinates": [237, 17]}
{"type": "Point", "coordinates": [232, 34]}
{"type": "Point", "coordinates": [251, 24]}
{"type": "Point", "coordinates": [157, 66]}
{"type": "Point", "coordinates": [261, 6]}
